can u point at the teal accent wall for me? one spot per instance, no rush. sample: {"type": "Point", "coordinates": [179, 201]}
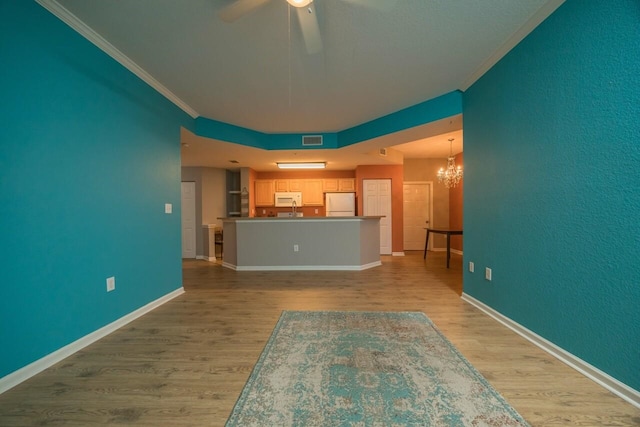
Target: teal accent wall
{"type": "Point", "coordinates": [438, 108]}
{"type": "Point", "coordinates": [552, 184]}
{"type": "Point", "coordinates": [444, 106]}
{"type": "Point", "coordinates": [215, 129]}
{"type": "Point", "coordinates": [89, 155]}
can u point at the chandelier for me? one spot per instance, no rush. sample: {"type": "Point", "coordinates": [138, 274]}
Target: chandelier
{"type": "Point", "coordinates": [451, 176]}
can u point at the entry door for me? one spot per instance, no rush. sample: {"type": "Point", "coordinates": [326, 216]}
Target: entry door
{"type": "Point", "coordinates": [377, 201]}
{"type": "Point", "coordinates": [417, 198]}
{"type": "Point", "coordinates": [188, 212]}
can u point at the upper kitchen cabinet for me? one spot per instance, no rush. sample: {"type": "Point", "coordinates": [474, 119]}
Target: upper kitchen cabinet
{"type": "Point", "coordinates": [347, 184]}
{"type": "Point", "coordinates": [312, 194]}
{"type": "Point", "coordinates": [281, 185]}
{"type": "Point", "coordinates": [338, 184]}
{"type": "Point", "coordinates": [265, 192]}
{"type": "Point", "coordinates": [288, 185]}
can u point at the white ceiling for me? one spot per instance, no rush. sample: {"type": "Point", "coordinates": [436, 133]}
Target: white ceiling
{"type": "Point", "coordinates": [256, 73]}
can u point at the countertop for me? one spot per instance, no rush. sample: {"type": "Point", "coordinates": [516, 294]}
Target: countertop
{"type": "Point", "coordinates": [299, 218]}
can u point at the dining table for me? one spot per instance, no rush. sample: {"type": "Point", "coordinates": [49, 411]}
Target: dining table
{"type": "Point", "coordinates": [449, 232]}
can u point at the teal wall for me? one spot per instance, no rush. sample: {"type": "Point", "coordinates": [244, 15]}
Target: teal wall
{"type": "Point", "coordinates": [89, 155]}
{"type": "Point", "coordinates": [447, 105]}
{"type": "Point", "coordinates": [552, 184]}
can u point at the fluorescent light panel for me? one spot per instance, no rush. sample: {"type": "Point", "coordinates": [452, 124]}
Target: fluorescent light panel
{"type": "Point", "coordinates": [299, 3]}
{"type": "Point", "coordinates": [308, 165]}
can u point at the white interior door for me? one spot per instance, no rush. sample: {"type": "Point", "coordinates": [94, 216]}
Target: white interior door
{"type": "Point", "coordinates": [377, 201]}
{"type": "Point", "coordinates": [188, 211]}
{"type": "Point", "coordinates": [417, 200]}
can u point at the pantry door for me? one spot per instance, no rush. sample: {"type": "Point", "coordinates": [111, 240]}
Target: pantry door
{"type": "Point", "coordinates": [417, 212]}
{"type": "Point", "coordinates": [377, 201]}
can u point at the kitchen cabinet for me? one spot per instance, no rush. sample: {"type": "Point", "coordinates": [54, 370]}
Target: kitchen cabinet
{"type": "Point", "coordinates": [330, 185]}
{"type": "Point", "coordinates": [347, 184]}
{"type": "Point", "coordinates": [288, 185]}
{"type": "Point", "coordinates": [296, 185]}
{"type": "Point", "coordinates": [265, 192]}
{"type": "Point", "coordinates": [312, 194]}
{"type": "Point", "coordinates": [281, 185]}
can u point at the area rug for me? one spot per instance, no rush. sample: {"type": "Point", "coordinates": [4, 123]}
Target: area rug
{"type": "Point", "coordinates": [366, 369]}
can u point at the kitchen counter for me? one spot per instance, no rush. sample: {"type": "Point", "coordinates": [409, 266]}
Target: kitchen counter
{"type": "Point", "coordinates": [301, 243]}
{"type": "Point", "coordinates": [297, 218]}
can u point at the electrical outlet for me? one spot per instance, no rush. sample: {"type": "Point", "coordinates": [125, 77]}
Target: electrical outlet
{"type": "Point", "coordinates": [296, 248]}
{"type": "Point", "coordinates": [471, 266]}
{"type": "Point", "coordinates": [487, 273]}
{"type": "Point", "coordinates": [316, 211]}
{"type": "Point", "coordinates": [111, 284]}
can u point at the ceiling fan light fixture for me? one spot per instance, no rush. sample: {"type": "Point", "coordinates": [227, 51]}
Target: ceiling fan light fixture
{"type": "Point", "coordinates": [299, 3]}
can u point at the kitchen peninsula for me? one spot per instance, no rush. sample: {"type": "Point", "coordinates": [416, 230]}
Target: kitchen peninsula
{"type": "Point", "coordinates": [303, 243]}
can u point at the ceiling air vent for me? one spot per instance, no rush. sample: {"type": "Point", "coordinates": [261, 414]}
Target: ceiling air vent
{"type": "Point", "coordinates": [311, 140]}
{"type": "Point", "coordinates": [383, 151]}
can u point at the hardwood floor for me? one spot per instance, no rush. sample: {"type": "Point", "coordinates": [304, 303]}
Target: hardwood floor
{"type": "Point", "coordinates": [185, 363]}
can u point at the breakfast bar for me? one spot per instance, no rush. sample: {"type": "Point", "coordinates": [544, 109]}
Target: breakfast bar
{"type": "Point", "coordinates": [302, 243]}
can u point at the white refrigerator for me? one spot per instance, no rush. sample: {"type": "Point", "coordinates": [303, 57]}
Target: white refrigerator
{"type": "Point", "coordinates": [340, 204]}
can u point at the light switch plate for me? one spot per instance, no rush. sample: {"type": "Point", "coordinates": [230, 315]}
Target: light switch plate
{"type": "Point", "coordinates": [168, 208]}
{"type": "Point", "coordinates": [487, 273]}
{"type": "Point", "coordinates": [111, 284]}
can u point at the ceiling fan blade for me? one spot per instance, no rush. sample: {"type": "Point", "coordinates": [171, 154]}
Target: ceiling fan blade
{"type": "Point", "coordinates": [310, 28]}
{"type": "Point", "coordinates": [383, 5]}
{"type": "Point", "coordinates": [238, 9]}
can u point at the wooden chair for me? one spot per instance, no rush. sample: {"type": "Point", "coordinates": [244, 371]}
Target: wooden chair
{"type": "Point", "coordinates": [218, 239]}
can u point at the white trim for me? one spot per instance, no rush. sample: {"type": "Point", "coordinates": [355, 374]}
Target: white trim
{"type": "Point", "coordinates": [302, 267]}
{"type": "Point", "coordinates": [87, 32]}
{"type": "Point", "coordinates": [455, 251]}
{"type": "Point", "coordinates": [13, 379]}
{"type": "Point", "coordinates": [541, 14]}
{"type": "Point", "coordinates": [206, 258]}
{"type": "Point", "coordinates": [605, 380]}
{"type": "Point", "coordinates": [397, 253]}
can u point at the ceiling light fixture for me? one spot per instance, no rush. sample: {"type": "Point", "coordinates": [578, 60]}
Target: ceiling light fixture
{"type": "Point", "coordinates": [453, 174]}
{"type": "Point", "coordinates": [306, 165]}
{"type": "Point", "coordinates": [299, 3]}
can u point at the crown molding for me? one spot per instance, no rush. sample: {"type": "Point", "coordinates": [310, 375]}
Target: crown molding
{"type": "Point", "coordinates": [87, 32]}
{"type": "Point", "coordinates": [543, 13]}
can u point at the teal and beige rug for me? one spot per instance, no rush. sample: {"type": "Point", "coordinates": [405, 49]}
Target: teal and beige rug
{"type": "Point", "coordinates": [366, 369]}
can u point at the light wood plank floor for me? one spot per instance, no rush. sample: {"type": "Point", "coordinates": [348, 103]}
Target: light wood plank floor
{"type": "Point", "coordinates": [185, 363]}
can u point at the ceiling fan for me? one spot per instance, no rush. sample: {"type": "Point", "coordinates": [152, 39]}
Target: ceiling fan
{"type": "Point", "coordinates": [306, 12]}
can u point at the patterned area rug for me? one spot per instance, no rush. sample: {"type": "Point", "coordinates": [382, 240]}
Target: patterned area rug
{"type": "Point", "coordinates": [366, 369]}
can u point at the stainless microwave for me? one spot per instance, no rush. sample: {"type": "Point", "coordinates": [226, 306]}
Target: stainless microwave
{"type": "Point", "coordinates": [286, 199]}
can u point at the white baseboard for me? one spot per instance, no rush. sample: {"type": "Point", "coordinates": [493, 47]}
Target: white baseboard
{"type": "Point", "coordinates": [207, 258]}
{"type": "Point", "coordinates": [302, 267]}
{"type": "Point", "coordinates": [397, 253]}
{"type": "Point", "coordinates": [456, 251]}
{"type": "Point", "coordinates": [605, 380]}
{"type": "Point", "coordinates": [13, 379]}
